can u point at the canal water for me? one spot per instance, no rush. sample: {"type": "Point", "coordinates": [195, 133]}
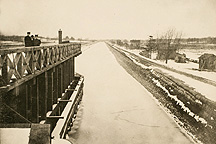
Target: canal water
{"type": "Point", "coordinates": [116, 109]}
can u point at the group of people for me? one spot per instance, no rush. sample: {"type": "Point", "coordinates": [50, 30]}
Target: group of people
{"type": "Point", "coordinates": [32, 40]}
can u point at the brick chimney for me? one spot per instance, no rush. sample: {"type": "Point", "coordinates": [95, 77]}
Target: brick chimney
{"type": "Point", "coordinates": [60, 36]}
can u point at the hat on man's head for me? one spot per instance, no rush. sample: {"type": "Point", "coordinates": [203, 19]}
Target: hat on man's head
{"type": "Point", "coordinates": [36, 35]}
{"type": "Point", "coordinates": [28, 32]}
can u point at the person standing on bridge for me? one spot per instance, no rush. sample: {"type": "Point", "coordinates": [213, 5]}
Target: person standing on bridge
{"type": "Point", "coordinates": [27, 40]}
{"type": "Point", "coordinates": [37, 41]}
{"type": "Point", "coordinates": [32, 40]}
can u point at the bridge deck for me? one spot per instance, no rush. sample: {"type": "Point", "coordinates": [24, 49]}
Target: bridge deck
{"type": "Point", "coordinates": [117, 109]}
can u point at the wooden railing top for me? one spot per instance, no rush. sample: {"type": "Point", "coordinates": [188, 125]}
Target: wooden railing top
{"type": "Point", "coordinates": [20, 63]}
{"type": "Point", "coordinates": [33, 48]}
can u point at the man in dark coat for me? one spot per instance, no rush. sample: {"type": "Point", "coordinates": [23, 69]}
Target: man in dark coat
{"type": "Point", "coordinates": [37, 41]}
{"type": "Point", "coordinates": [28, 41]}
{"type": "Point", "coordinates": [32, 40]}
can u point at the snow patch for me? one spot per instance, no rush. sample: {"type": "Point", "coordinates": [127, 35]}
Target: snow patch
{"type": "Point", "coordinates": [179, 102]}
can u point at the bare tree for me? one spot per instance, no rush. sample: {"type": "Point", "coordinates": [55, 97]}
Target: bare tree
{"type": "Point", "coordinates": [168, 44]}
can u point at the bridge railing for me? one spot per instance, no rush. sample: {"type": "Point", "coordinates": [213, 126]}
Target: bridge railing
{"type": "Point", "coordinates": [38, 85]}
{"type": "Point", "coordinates": [19, 64]}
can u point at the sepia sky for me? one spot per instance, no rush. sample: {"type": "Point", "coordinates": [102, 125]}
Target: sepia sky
{"type": "Point", "coordinates": [124, 19]}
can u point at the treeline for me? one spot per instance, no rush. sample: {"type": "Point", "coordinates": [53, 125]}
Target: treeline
{"type": "Point", "coordinates": [11, 38]}
{"type": "Point", "coordinates": [207, 40]}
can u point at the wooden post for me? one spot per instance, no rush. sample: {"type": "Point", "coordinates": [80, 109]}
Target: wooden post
{"type": "Point", "coordinates": [26, 99]}
{"type": "Point", "coordinates": [43, 94]}
{"type": "Point", "coordinates": [29, 95]}
{"type": "Point", "coordinates": [69, 70]}
{"type": "Point", "coordinates": [22, 101]}
{"type": "Point", "coordinates": [55, 85]}
{"type": "Point", "coordinates": [19, 65]}
{"type": "Point", "coordinates": [31, 63]}
{"type": "Point", "coordinates": [72, 68]}
{"type": "Point", "coordinates": [59, 81]}
{"type": "Point", "coordinates": [35, 101]}
{"type": "Point", "coordinates": [50, 90]}
{"type": "Point", "coordinates": [62, 79]}
{"type": "Point", "coordinates": [5, 70]}
{"type": "Point", "coordinates": [1, 106]}
{"type": "Point", "coordinates": [67, 78]}
{"type": "Point", "coordinates": [64, 76]}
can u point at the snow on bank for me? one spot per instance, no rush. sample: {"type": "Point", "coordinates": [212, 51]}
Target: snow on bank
{"type": "Point", "coordinates": [179, 102]}
{"type": "Point", "coordinates": [205, 89]}
{"type": "Point", "coordinates": [209, 91]}
{"type": "Point", "coordinates": [189, 67]}
{"type": "Point", "coordinates": [196, 53]}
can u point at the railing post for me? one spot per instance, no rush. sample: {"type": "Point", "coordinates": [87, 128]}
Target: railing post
{"type": "Point", "coordinates": [72, 68]}
{"type": "Point", "coordinates": [59, 81]}
{"type": "Point", "coordinates": [43, 92]}
{"type": "Point", "coordinates": [5, 69]}
{"type": "Point", "coordinates": [62, 78]}
{"type": "Point", "coordinates": [19, 65]}
{"type": "Point", "coordinates": [64, 74]}
{"type": "Point", "coordinates": [35, 100]}
{"type": "Point", "coordinates": [23, 105]}
{"type": "Point", "coordinates": [50, 90]}
{"type": "Point", "coordinates": [29, 100]}
{"type": "Point", "coordinates": [31, 63]}
{"type": "Point", "coordinates": [55, 85]}
{"type": "Point", "coordinates": [67, 78]}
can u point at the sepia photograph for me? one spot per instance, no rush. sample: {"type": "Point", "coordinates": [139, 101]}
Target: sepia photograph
{"type": "Point", "coordinates": [108, 72]}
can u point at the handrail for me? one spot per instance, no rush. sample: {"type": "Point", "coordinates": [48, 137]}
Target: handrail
{"type": "Point", "coordinates": [18, 63]}
{"type": "Point", "coordinates": [26, 49]}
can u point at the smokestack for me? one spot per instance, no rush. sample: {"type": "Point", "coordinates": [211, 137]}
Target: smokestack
{"type": "Point", "coordinates": [60, 36]}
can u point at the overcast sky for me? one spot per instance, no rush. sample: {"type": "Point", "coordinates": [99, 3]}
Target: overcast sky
{"type": "Point", "coordinates": [130, 19]}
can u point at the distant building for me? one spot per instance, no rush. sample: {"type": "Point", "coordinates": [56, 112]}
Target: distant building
{"type": "Point", "coordinates": [119, 42]}
{"type": "Point", "coordinates": [207, 61]}
{"type": "Point", "coordinates": [135, 44]}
